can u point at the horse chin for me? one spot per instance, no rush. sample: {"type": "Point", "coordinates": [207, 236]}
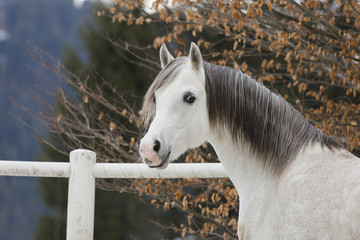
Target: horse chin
{"type": "Point", "coordinates": [164, 163]}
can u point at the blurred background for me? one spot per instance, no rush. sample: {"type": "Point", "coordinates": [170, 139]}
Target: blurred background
{"type": "Point", "coordinates": [67, 30]}
{"type": "Point", "coordinates": [49, 25]}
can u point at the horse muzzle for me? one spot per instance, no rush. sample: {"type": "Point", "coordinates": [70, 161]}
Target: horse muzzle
{"type": "Point", "coordinates": [154, 153]}
{"type": "Point", "coordinates": [163, 164]}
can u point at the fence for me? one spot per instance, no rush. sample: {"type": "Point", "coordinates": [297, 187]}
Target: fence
{"type": "Point", "coordinates": [82, 172]}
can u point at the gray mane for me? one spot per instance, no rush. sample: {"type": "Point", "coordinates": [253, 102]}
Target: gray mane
{"type": "Point", "coordinates": [273, 130]}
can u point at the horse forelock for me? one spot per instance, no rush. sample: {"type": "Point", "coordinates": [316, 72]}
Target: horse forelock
{"type": "Point", "coordinates": [273, 130]}
{"type": "Point", "coordinates": [165, 76]}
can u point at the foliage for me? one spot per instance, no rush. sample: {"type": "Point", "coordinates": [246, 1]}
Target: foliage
{"type": "Point", "coordinates": [312, 48]}
{"type": "Point", "coordinates": [307, 51]}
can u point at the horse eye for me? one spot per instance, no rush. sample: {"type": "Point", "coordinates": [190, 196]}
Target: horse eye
{"type": "Point", "coordinates": [189, 98]}
{"type": "Point", "coordinates": [154, 99]}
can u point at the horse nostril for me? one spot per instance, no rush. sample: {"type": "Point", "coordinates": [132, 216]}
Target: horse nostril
{"type": "Point", "coordinates": [156, 146]}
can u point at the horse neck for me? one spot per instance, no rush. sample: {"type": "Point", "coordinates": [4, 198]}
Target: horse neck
{"type": "Point", "coordinates": [242, 167]}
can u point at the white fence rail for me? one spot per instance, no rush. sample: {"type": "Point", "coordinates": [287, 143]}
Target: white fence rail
{"type": "Point", "coordinates": [82, 172]}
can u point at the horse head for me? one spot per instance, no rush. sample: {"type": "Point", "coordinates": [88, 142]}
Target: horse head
{"type": "Point", "coordinates": [174, 110]}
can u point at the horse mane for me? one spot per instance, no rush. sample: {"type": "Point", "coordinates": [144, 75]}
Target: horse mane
{"type": "Point", "coordinates": [272, 129]}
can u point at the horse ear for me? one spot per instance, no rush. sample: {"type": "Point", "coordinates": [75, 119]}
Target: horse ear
{"type": "Point", "coordinates": [165, 56]}
{"type": "Point", "coordinates": [195, 56]}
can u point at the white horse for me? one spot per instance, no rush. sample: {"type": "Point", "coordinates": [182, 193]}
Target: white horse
{"type": "Point", "coordinates": [294, 182]}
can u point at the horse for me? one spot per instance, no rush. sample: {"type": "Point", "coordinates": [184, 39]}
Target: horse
{"type": "Point", "coordinates": [293, 181]}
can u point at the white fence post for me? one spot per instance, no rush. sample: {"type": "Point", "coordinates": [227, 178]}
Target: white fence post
{"type": "Point", "coordinates": [81, 196]}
